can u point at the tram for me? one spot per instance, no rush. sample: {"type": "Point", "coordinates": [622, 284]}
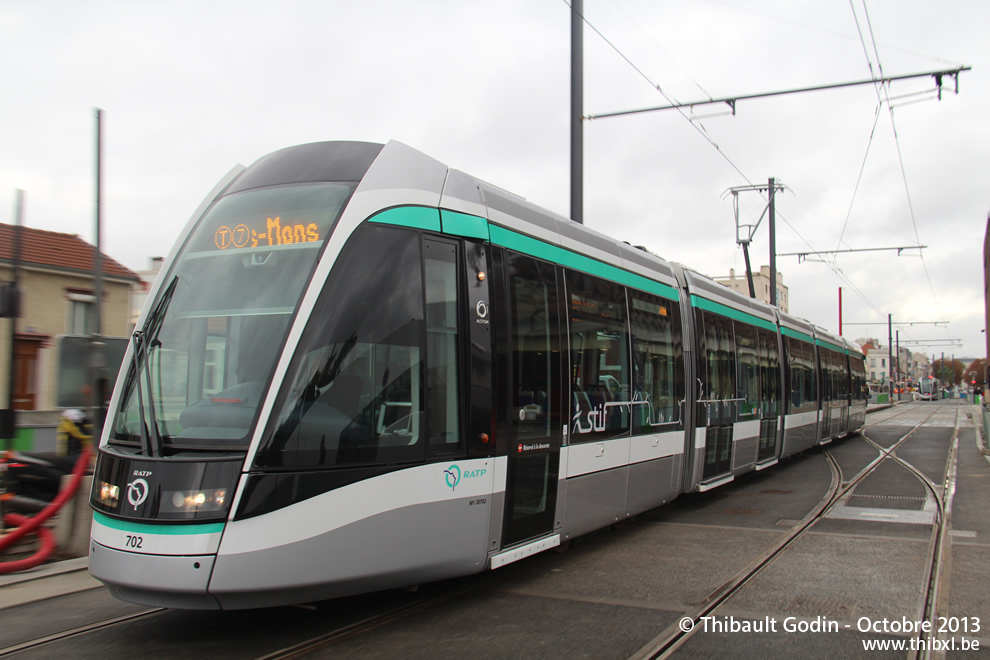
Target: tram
{"type": "Point", "coordinates": [928, 388]}
{"type": "Point", "coordinates": [360, 369]}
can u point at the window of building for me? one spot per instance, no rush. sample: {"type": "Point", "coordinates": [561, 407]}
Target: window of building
{"type": "Point", "coordinates": [80, 318]}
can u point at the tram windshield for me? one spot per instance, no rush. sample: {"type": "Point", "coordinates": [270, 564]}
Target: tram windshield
{"type": "Point", "coordinates": [204, 357]}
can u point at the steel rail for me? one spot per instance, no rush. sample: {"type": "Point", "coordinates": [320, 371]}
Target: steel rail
{"type": "Point", "coordinates": [307, 647]}
{"type": "Point", "coordinates": [673, 637]}
{"type": "Point", "coordinates": [75, 632]}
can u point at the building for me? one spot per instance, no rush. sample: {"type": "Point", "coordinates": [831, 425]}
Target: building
{"type": "Point", "coordinates": [139, 292]}
{"type": "Point", "coordinates": [922, 366]}
{"type": "Point", "coordinates": [877, 367]}
{"type": "Point", "coordinates": [57, 297]}
{"type": "Point", "coordinates": [761, 283]}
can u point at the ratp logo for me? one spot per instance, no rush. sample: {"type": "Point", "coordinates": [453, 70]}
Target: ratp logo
{"type": "Point", "coordinates": [453, 476]}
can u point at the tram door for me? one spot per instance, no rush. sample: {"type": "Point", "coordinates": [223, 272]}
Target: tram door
{"type": "Point", "coordinates": [530, 359]}
{"type": "Point", "coordinates": [770, 389]}
{"type": "Point", "coordinates": [718, 370]}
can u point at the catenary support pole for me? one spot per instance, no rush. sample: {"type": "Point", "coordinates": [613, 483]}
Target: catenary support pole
{"type": "Point", "coordinates": [96, 332]}
{"type": "Point", "coordinates": [772, 218]}
{"type": "Point", "coordinates": [749, 271]}
{"type": "Point", "coordinates": [577, 110]}
{"type": "Point", "coordinates": [890, 354]}
{"type": "Point", "coordinates": [9, 416]}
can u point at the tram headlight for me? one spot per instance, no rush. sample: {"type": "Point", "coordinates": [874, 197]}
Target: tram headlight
{"type": "Point", "coordinates": [209, 499]}
{"type": "Point", "coordinates": [107, 494]}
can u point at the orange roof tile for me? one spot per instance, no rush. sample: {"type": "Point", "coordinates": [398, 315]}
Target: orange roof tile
{"type": "Point", "coordinates": [56, 250]}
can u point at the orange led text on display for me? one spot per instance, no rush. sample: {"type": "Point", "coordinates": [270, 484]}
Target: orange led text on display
{"type": "Point", "coordinates": [273, 234]}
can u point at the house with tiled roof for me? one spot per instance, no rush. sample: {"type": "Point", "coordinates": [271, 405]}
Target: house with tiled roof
{"type": "Point", "coordinates": [57, 297]}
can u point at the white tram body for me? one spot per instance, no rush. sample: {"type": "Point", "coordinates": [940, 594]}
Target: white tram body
{"type": "Point", "coordinates": [360, 369]}
{"type": "Point", "coordinates": [928, 388]}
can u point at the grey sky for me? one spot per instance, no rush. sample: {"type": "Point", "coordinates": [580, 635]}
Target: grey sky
{"type": "Point", "coordinates": [191, 88]}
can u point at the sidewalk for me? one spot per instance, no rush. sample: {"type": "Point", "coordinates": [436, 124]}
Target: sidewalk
{"type": "Point", "coordinates": [981, 420]}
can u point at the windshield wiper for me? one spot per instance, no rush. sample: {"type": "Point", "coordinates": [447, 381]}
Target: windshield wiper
{"type": "Point", "coordinates": [145, 339]}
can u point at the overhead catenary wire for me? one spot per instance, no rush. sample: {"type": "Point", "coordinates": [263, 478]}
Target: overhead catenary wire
{"type": "Point", "coordinates": [900, 160]}
{"type": "Point", "coordinates": [876, 119]}
{"type": "Point", "coordinates": [833, 264]}
{"type": "Point", "coordinates": [656, 86]}
{"type": "Point", "coordinates": [704, 133]}
{"type": "Point", "coordinates": [662, 50]}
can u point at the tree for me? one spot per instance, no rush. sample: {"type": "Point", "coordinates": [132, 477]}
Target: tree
{"type": "Point", "coordinates": [949, 372]}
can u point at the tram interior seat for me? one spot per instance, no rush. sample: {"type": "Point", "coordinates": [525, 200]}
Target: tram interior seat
{"type": "Point", "coordinates": [532, 403]}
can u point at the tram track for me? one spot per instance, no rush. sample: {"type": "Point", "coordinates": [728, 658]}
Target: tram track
{"type": "Point", "coordinates": [892, 414]}
{"type": "Point", "coordinates": [320, 642]}
{"type": "Point", "coordinates": [936, 598]}
{"type": "Point", "coordinates": [675, 636]}
{"type": "Point", "coordinates": [78, 631]}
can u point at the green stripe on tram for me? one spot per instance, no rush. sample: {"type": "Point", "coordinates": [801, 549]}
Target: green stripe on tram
{"type": "Point", "coordinates": [717, 308]}
{"type": "Point", "coordinates": [542, 250]}
{"type": "Point", "coordinates": [417, 217]}
{"type": "Point", "coordinates": [144, 528]}
{"type": "Point", "coordinates": [795, 334]}
{"type": "Point", "coordinates": [826, 344]}
{"type": "Point", "coordinates": [470, 226]}
{"type": "Point", "coordinates": [462, 224]}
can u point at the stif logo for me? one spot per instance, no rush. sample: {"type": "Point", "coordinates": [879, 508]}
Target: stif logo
{"type": "Point", "coordinates": [137, 492]}
{"type": "Point", "coordinates": [453, 476]}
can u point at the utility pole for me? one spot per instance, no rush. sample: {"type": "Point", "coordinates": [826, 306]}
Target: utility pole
{"type": "Point", "coordinates": [11, 308]}
{"type": "Point", "coordinates": [772, 218]}
{"type": "Point", "coordinates": [890, 354]}
{"type": "Point", "coordinates": [8, 418]}
{"type": "Point", "coordinates": [577, 111]}
{"type": "Point", "coordinates": [98, 363]}
{"type": "Point", "coordinates": [898, 360]}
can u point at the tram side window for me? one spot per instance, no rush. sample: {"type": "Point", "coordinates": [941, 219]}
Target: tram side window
{"type": "Point", "coordinates": [354, 392]}
{"type": "Point", "coordinates": [860, 390]}
{"type": "Point", "coordinates": [720, 362]}
{"type": "Point", "coordinates": [747, 379]}
{"type": "Point", "coordinates": [440, 263]}
{"type": "Point", "coordinates": [769, 371]}
{"type": "Point", "coordinates": [658, 362]}
{"type": "Point", "coordinates": [841, 389]}
{"type": "Point", "coordinates": [801, 370]}
{"type": "Point", "coordinates": [600, 389]}
{"type": "Point", "coordinates": [835, 386]}
{"type": "Point", "coordinates": [825, 370]}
